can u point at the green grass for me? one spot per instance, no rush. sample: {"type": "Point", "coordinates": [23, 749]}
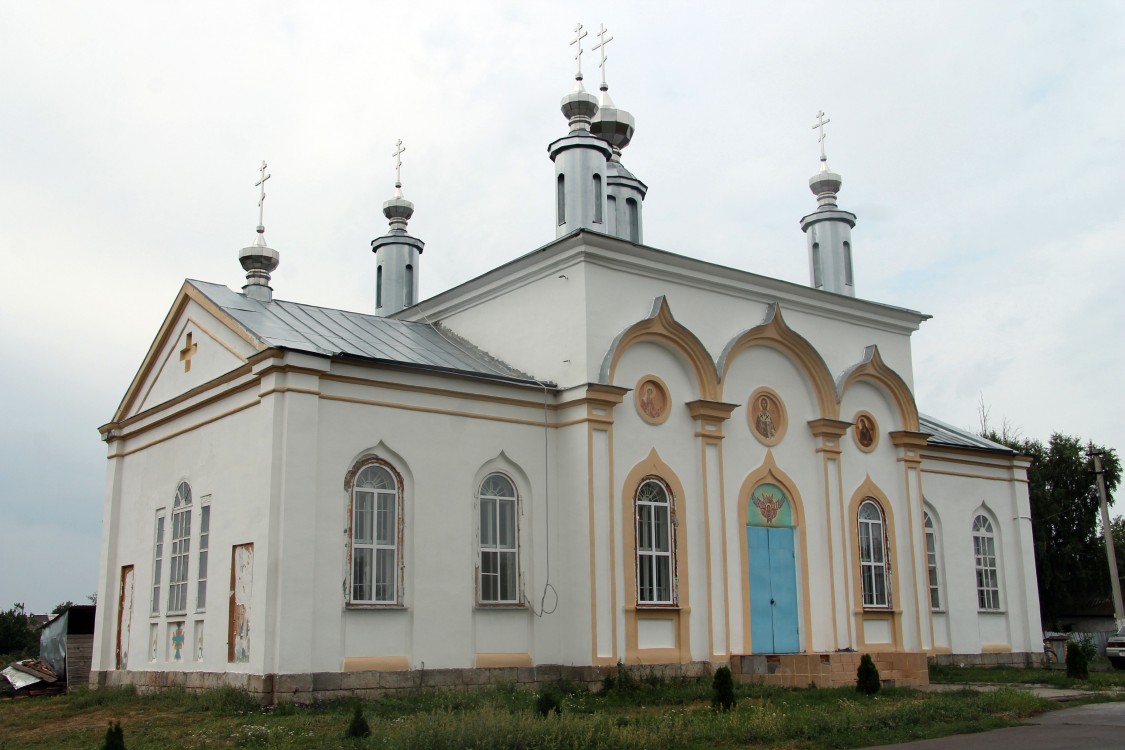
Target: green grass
{"type": "Point", "coordinates": [642, 714]}
{"type": "Point", "coordinates": [1011, 675]}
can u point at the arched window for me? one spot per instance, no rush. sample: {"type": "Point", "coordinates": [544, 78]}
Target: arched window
{"type": "Point", "coordinates": [817, 282]}
{"type": "Point", "coordinates": [379, 287]}
{"type": "Point", "coordinates": [561, 199]}
{"type": "Point", "coordinates": [597, 199]}
{"type": "Point", "coordinates": [984, 551]}
{"type": "Point", "coordinates": [498, 560]}
{"type": "Point", "coordinates": [655, 542]}
{"type": "Point", "coordinates": [181, 549]}
{"type": "Point", "coordinates": [932, 561]}
{"type": "Point", "coordinates": [375, 536]}
{"type": "Point", "coordinates": [873, 555]}
{"type": "Point", "coordinates": [634, 217]}
{"type": "Point", "coordinates": [848, 264]}
{"type": "Point", "coordinates": [408, 287]}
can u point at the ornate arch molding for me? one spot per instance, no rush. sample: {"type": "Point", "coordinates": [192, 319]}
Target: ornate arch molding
{"type": "Point", "coordinates": [868, 489]}
{"type": "Point", "coordinates": [872, 369]}
{"type": "Point", "coordinates": [775, 333]}
{"type": "Point", "coordinates": [661, 327]}
{"type": "Point", "coordinates": [770, 472]}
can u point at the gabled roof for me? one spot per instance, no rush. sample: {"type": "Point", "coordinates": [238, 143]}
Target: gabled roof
{"type": "Point", "coordinates": [339, 333]}
{"type": "Point", "coordinates": [948, 435]}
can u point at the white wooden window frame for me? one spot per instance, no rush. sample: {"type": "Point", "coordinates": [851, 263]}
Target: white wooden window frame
{"type": "Point", "coordinates": [375, 536]}
{"type": "Point", "coordinates": [875, 583]}
{"type": "Point", "coordinates": [986, 564]}
{"type": "Point", "coordinates": [498, 568]}
{"type": "Point", "coordinates": [933, 568]}
{"type": "Point", "coordinates": [180, 553]}
{"type": "Point", "coordinates": [157, 559]}
{"type": "Point", "coordinates": [655, 543]}
{"type": "Point", "coordinates": [203, 553]}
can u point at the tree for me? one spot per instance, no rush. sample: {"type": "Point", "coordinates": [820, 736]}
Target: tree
{"type": "Point", "coordinates": [60, 608]}
{"type": "Point", "coordinates": [17, 639]}
{"type": "Point", "coordinates": [1070, 558]}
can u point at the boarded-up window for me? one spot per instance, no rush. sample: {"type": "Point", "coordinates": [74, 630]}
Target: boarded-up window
{"type": "Point", "coordinates": [241, 586]}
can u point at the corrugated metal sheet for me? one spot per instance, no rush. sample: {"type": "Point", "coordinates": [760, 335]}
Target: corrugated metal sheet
{"type": "Point", "coordinates": [945, 434]}
{"type": "Point", "coordinates": [335, 333]}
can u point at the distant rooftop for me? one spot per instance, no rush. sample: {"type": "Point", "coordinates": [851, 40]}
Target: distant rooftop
{"type": "Point", "coordinates": [945, 434]}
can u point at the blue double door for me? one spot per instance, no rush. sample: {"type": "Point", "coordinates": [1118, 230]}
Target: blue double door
{"type": "Point", "coordinates": [773, 590]}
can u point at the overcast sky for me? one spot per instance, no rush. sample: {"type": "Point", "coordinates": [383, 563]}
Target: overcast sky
{"type": "Point", "coordinates": [982, 146]}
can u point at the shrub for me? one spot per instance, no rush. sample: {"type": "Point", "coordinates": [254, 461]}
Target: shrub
{"type": "Point", "coordinates": [1077, 661]}
{"type": "Point", "coordinates": [114, 737]}
{"type": "Point", "coordinates": [358, 727]}
{"type": "Point", "coordinates": [867, 676]}
{"type": "Point", "coordinates": [548, 701]}
{"type": "Point", "coordinates": [722, 689]}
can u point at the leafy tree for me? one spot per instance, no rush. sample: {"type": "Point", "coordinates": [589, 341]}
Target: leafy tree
{"type": "Point", "coordinates": [1070, 558]}
{"type": "Point", "coordinates": [59, 608]}
{"type": "Point", "coordinates": [17, 638]}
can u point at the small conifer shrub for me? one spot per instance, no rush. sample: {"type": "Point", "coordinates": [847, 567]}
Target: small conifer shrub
{"type": "Point", "coordinates": [114, 737]}
{"type": "Point", "coordinates": [867, 676]}
{"type": "Point", "coordinates": [1077, 661]}
{"type": "Point", "coordinates": [722, 689]}
{"type": "Point", "coordinates": [548, 701]}
{"type": "Point", "coordinates": [358, 727]}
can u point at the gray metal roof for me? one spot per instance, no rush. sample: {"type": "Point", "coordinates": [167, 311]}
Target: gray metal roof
{"type": "Point", "coordinates": [945, 434]}
{"type": "Point", "coordinates": [339, 333]}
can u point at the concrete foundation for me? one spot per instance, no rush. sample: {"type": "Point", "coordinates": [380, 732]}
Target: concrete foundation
{"type": "Point", "coordinates": [836, 669]}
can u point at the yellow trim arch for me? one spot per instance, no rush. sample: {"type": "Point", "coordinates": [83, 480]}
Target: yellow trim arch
{"type": "Point", "coordinates": [661, 327]}
{"type": "Point", "coordinates": [872, 369]}
{"type": "Point", "coordinates": [775, 333]}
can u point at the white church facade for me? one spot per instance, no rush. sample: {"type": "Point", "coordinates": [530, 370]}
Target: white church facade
{"type": "Point", "coordinates": [599, 452]}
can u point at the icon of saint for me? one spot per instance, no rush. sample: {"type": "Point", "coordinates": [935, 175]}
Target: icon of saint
{"type": "Point", "coordinates": [764, 422]}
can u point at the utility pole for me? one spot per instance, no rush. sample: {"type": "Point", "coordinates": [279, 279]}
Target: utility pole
{"type": "Point", "coordinates": [1115, 582]}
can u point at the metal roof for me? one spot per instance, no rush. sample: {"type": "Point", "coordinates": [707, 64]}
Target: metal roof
{"type": "Point", "coordinates": [945, 434]}
{"type": "Point", "coordinates": [339, 333]}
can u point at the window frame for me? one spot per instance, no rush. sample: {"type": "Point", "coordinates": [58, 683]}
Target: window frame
{"type": "Point", "coordinates": [511, 551]}
{"type": "Point", "coordinates": [988, 597]}
{"type": "Point", "coordinates": [932, 542]}
{"type": "Point", "coordinates": [202, 556]}
{"type": "Point", "coordinates": [870, 588]}
{"type": "Point", "coordinates": [653, 556]}
{"type": "Point", "coordinates": [159, 525]}
{"type": "Point", "coordinates": [397, 565]}
{"type": "Point", "coordinates": [179, 558]}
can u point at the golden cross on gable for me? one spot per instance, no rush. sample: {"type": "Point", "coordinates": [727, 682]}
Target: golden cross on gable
{"type": "Point", "coordinates": [187, 353]}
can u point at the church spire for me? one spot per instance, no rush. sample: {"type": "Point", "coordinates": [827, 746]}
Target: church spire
{"type": "Point", "coordinates": [828, 229]}
{"type": "Point", "coordinates": [258, 260]}
{"type": "Point", "coordinates": [396, 252]}
{"type": "Point", "coordinates": [580, 159]}
{"type": "Point", "coordinates": [615, 126]}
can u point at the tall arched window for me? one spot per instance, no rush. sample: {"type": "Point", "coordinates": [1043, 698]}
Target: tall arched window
{"type": "Point", "coordinates": [848, 264]}
{"type": "Point", "coordinates": [498, 560]}
{"type": "Point", "coordinates": [655, 542]}
{"type": "Point", "coordinates": [181, 549]}
{"type": "Point", "coordinates": [634, 218]}
{"type": "Point", "coordinates": [597, 199]}
{"type": "Point", "coordinates": [932, 561]}
{"type": "Point", "coordinates": [375, 536]}
{"type": "Point", "coordinates": [561, 200]}
{"type": "Point", "coordinates": [408, 290]}
{"type": "Point", "coordinates": [873, 555]}
{"type": "Point", "coordinates": [378, 287]}
{"type": "Point", "coordinates": [984, 552]}
{"type": "Point", "coordinates": [817, 282]}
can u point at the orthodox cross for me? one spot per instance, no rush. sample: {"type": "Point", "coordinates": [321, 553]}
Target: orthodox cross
{"type": "Point", "coordinates": [601, 46]}
{"type": "Point", "coordinates": [399, 148]}
{"type": "Point", "coordinates": [820, 123]}
{"type": "Point", "coordinates": [262, 195]}
{"type": "Point", "coordinates": [579, 35]}
{"type": "Point", "coordinates": [187, 353]}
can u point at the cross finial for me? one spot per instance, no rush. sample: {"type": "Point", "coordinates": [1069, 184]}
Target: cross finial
{"type": "Point", "coordinates": [262, 197]}
{"type": "Point", "coordinates": [820, 123]}
{"type": "Point", "coordinates": [579, 35]}
{"type": "Point", "coordinates": [601, 46]}
{"type": "Point", "coordinates": [397, 154]}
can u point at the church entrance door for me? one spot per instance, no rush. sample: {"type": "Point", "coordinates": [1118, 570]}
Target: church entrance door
{"type": "Point", "coordinates": [773, 590]}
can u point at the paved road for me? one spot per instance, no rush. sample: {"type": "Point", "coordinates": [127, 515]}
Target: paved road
{"type": "Point", "coordinates": [1099, 726]}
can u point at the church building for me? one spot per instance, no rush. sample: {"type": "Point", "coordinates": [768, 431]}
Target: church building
{"type": "Point", "coordinates": [597, 453]}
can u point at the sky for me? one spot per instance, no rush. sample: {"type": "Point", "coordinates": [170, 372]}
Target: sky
{"type": "Point", "coordinates": [981, 146]}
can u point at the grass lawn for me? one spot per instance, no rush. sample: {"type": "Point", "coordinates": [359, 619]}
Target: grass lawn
{"type": "Point", "coordinates": [1102, 680]}
{"type": "Point", "coordinates": [655, 715]}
